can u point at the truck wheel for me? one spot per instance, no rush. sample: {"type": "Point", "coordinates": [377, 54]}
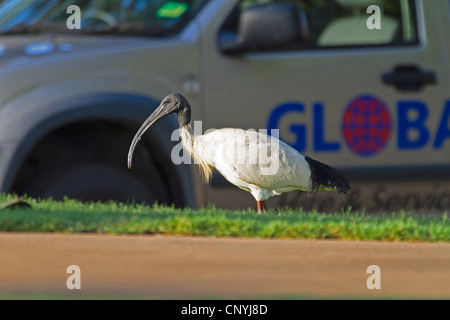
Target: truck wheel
{"type": "Point", "coordinates": [90, 182]}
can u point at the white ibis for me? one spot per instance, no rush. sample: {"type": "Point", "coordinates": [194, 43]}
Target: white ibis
{"type": "Point", "coordinates": [294, 171]}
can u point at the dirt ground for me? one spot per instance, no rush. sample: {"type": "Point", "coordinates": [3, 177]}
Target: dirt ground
{"type": "Point", "coordinates": [184, 267]}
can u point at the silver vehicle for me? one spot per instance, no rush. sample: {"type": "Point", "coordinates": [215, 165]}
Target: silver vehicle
{"type": "Point", "coordinates": [360, 85]}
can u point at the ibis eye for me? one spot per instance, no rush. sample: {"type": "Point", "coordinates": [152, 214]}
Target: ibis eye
{"type": "Point", "coordinates": [167, 101]}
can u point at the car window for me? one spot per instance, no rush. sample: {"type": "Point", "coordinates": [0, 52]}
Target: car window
{"type": "Point", "coordinates": [134, 17]}
{"type": "Point", "coordinates": [343, 23]}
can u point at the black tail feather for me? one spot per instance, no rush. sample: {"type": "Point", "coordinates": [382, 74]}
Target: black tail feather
{"type": "Point", "coordinates": [324, 177]}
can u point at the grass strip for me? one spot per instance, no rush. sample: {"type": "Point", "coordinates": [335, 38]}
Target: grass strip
{"type": "Point", "coordinates": [71, 216]}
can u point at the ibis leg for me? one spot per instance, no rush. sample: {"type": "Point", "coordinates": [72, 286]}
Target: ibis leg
{"type": "Point", "coordinates": [261, 206]}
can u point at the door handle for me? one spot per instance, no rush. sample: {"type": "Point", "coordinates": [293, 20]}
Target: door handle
{"type": "Point", "coordinates": [409, 78]}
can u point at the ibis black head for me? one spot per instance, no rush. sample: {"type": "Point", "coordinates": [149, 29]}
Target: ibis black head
{"type": "Point", "coordinates": [173, 103]}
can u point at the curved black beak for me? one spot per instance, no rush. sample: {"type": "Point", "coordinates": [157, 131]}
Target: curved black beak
{"type": "Point", "coordinates": [155, 116]}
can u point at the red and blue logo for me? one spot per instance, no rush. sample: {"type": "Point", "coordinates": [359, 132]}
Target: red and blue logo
{"type": "Point", "coordinates": [366, 125]}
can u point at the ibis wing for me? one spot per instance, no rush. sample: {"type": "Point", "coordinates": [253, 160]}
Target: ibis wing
{"type": "Point", "coordinates": [247, 157]}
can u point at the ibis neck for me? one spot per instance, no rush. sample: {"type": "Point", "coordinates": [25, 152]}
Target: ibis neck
{"type": "Point", "coordinates": [187, 135]}
{"type": "Point", "coordinates": [194, 146]}
{"type": "Point", "coordinates": [184, 120]}
{"type": "Point", "coordinates": [188, 139]}
{"type": "Point", "coordinates": [186, 132]}
{"type": "Point", "coordinates": [184, 117]}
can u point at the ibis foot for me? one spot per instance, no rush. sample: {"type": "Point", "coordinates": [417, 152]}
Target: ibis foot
{"type": "Point", "coordinates": [261, 206]}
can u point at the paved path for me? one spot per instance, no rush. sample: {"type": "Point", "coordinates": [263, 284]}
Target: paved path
{"type": "Point", "coordinates": [184, 267]}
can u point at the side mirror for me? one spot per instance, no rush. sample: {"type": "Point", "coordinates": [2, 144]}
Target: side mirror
{"type": "Point", "coordinates": [265, 27]}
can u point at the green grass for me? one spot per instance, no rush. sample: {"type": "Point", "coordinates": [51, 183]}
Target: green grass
{"type": "Point", "coordinates": [71, 216]}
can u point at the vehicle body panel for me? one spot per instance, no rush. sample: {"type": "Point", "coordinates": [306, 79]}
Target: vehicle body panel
{"type": "Point", "coordinates": [306, 94]}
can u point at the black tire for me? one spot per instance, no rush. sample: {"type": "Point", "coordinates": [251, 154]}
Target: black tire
{"type": "Point", "coordinates": [90, 182]}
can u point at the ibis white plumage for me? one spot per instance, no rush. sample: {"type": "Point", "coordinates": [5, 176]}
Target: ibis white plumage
{"type": "Point", "coordinates": [252, 161]}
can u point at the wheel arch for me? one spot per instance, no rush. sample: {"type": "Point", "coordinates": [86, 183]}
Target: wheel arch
{"type": "Point", "coordinates": [127, 110]}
